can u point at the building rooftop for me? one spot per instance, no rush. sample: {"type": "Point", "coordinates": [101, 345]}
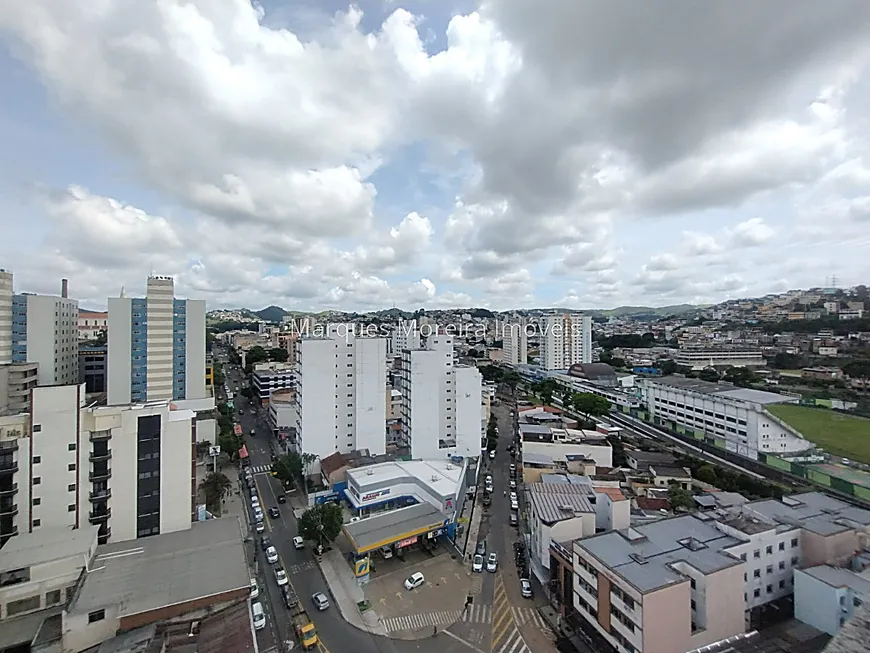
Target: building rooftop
{"type": "Point", "coordinates": [813, 511]}
{"type": "Point", "coordinates": [48, 545]}
{"type": "Point", "coordinates": [383, 528]}
{"type": "Point", "coordinates": [644, 556]}
{"type": "Point", "coordinates": [839, 577]}
{"type": "Point", "coordinates": [651, 457]}
{"type": "Point", "coordinates": [154, 572]}
{"type": "Point", "coordinates": [442, 476]}
{"type": "Point", "coordinates": [555, 502]}
{"type": "Point", "coordinates": [670, 472]}
{"type": "Point", "coordinates": [722, 389]}
{"type": "Point", "coordinates": [747, 525]}
{"type": "Point", "coordinates": [755, 396]}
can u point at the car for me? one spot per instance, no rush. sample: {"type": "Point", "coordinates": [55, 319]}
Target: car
{"type": "Point", "coordinates": [513, 485]}
{"type": "Point", "coordinates": [525, 588]}
{"type": "Point", "coordinates": [513, 496]}
{"type": "Point", "coordinates": [488, 479]}
{"type": "Point", "coordinates": [492, 562]}
{"type": "Point", "coordinates": [255, 588]}
{"type": "Point", "coordinates": [514, 505]}
{"type": "Point", "coordinates": [320, 601]}
{"type": "Point", "coordinates": [272, 555]}
{"type": "Point", "coordinates": [514, 521]}
{"type": "Point", "coordinates": [298, 543]}
{"type": "Point", "coordinates": [414, 581]}
{"type": "Point", "coordinates": [481, 548]}
{"type": "Point", "coordinates": [241, 412]}
{"type": "Point", "coordinates": [255, 501]}
{"type": "Point", "coordinates": [265, 543]}
{"type": "Point", "coordinates": [259, 526]}
{"type": "Point", "coordinates": [274, 513]}
{"type": "Point", "coordinates": [259, 615]}
{"type": "Point", "coordinates": [289, 597]}
{"type": "Point", "coordinates": [281, 576]}
{"type": "Point", "coordinates": [512, 467]}
{"type": "Point", "coordinates": [492, 454]}
{"type": "Point", "coordinates": [282, 499]}
{"type": "Point", "coordinates": [258, 514]}
{"type": "Point", "coordinates": [477, 563]}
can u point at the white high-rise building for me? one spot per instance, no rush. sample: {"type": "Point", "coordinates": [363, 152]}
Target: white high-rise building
{"type": "Point", "coordinates": [515, 342]}
{"type": "Point", "coordinates": [406, 335]}
{"type": "Point", "coordinates": [5, 317]}
{"type": "Point", "coordinates": [126, 469]}
{"type": "Point", "coordinates": [341, 401]}
{"type": "Point", "coordinates": [565, 341]}
{"type": "Point", "coordinates": [441, 402]}
{"type": "Point", "coordinates": [156, 346]}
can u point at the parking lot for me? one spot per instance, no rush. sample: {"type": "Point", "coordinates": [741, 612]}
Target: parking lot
{"type": "Point", "coordinates": [441, 596]}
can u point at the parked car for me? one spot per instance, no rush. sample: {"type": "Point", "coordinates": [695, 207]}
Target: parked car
{"type": "Point", "coordinates": [255, 588]}
{"type": "Point", "coordinates": [282, 499]}
{"type": "Point", "coordinates": [271, 555]}
{"type": "Point", "coordinates": [514, 505]}
{"type": "Point", "coordinates": [513, 485]}
{"type": "Point", "coordinates": [492, 454]}
{"type": "Point", "coordinates": [414, 580]}
{"type": "Point", "coordinates": [477, 563]}
{"type": "Point", "coordinates": [274, 513]}
{"type": "Point", "coordinates": [259, 527]}
{"type": "Point", "coordinates": [320, 601]}
{"type": "Point", "coordinates": [481, 548]}
{"type": "Point", "coordinates": [298, 543]}
{"type": "Point", "coordinates": [289, 597]}
{"type": "Point", "coordinates": [526, 588]}
{"type": "Point", "coordinates": [265, 543]}
{"type": "Point", "coordinates": [492, 562]}
{"type": "Point", "coordinates": [514, 520]}
{"type": "Point", "coordinates": [281, 576]}
{"type": "Point", "coordinates": [259, 615]}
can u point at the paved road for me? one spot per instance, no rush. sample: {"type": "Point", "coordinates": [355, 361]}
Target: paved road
{"type": "Point", "coordinates": [336, 635]}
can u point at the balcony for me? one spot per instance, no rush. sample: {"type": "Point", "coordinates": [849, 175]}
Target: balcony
{"type": "Point", "coordinates": [104, 535]}
{"type": "Point", "coordinates": [9, 510]}
{"type": "Point", "coordinates": [100, 495]}
{"type": "Point", "coordinates": [8, 467]}
{"type": "Point", "coordinates": [8, 532]}
{"type": "Point", "coordinates": [100, 475]}
{"type": "Point", "coordinates": [9, 445]}
{"type": "Point", "coordinates": [100, 516]}
{"type": "Point", "coordinates": [12, 489]}
{"type": "Point", "coordinates": [98, 436]}
{"type": "Point", "coordinates": [100, 455]}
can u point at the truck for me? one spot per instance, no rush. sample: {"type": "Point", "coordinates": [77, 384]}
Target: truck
{"type": "Point", "coordinates": [305, 631]}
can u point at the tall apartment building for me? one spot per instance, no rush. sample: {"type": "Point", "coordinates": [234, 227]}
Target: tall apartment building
{"type": "Point", "coordinates": [515, 342]}
{"type": "Point", "coordinates": [340, 401]}
{"type": "Point", "coordinates": [441, 402]}
{"type": "Point", "coordinates": [565, 340]}
{"type": "Point", "coordinates": [156, 346]}
{"type": "Point", "coordinates": [128, 469]}
{"type": "Point", "coordinates": [406, 335]}
{"type": "Point", "coordinates": [5, 317]}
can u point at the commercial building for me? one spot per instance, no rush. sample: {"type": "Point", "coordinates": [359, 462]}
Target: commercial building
{"type": "Point", "coordinates": [669, 585]}
{"type": "Point", "coordinates": [67, 464]}
{"type": "Point", "coordinates": [697, 358]}
{"type": "Point", "coordinates": [92, 324]}
{"type": "Point", "coordinates": [565, 340]}
{"type": "Point", "coordinates": [270, 377]}
{"type": "Point", "coordinates": [402, 501]}
{"type": "Point", "coordinates": [826, 597]}
{"type": "Point", "coordinates": [515, 342]}
{"type": "Point", "coordinates": [441, 402]}
{"type": "Point", "coordinates": [39, 329]}
{"type": "Point", "coordinates": [734, 417]}
{"type": "Point", "coordinates": [156, 346]}
{"type": "Point", "coordinates": [548, 443]}
{"type": "Point", "coordinates": [92, 367]}
{"type": "Point", "coordinates": [340, 395]}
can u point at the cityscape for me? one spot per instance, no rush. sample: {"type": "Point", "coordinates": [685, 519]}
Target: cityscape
{"type": "Point", "coordinates": [291, 291]}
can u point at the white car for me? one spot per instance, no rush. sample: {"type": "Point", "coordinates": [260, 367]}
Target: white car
{"type": "Point", "coordinates": [492, 562]}
{"type": "Point", "coordinates": [271, 555]}
{"type": "Point", "coordinates": [492, 454]}
{"type": "Point", "coordinates": [513, 496]}
{"type": "Point", "coordinates": [514, 505]}
{"type": "Point", "coordinates": [477, 564]}
{"type": "Point", "coordinates": [258, 515]}
{"type": "Point", "coordinates": [281, 576]}
{"type": "Point", "coordinates": [260, 527]}
{"type": "Point", "coordinates": [320, 601]}
{"type": "Point", "coordinates": [525, 588]}
{"type": "Point", "coordinates": [298, 543]}
{"type": "Point", "coordinates": [255, 588]}
{"type": "Point", "coordinates": [414, 581]}
{"type": "Point", "coordinates": [255, 501]}
{"type": "Point", "coordinates": [513, 485]}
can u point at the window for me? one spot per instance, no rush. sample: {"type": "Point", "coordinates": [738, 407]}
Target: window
{"type": "Point", "coordinates": [71, 487]}
{"type": "Point", "coordinates": [769, 589]}
{"type": "Point", "coordinates": [52, 598]}
{"type": "Point", "coordinates": [693, 605]}
{"type": "Point", "coordinates": [782, 546]}
{"type": "Point", "coordinates": [37, 522]}
{"type": "Point", "coordinates": [96, 615]}
{"type": "Point", "coordinates": [692, 583]}
{"type": "Point", "coordinates": [782, 584]}
{"type": "Point", "coordinates": [71, 467]}
{"type": "Point", "coordinates": [794, 560]}
{"type": "Point", "coordinates": [769, 569]}
{"type": "Point", "coordinates": [37, 501]}
{"type": "Point", "coordinates": [37, 428]}
{"type": "Point", "coordinates": [71, 446]}
{"type": "Point", "coordinates": [37, 460]}
{"type": "Point", "coordinates": [71, 507]}
{"type": "Point", "coordinates": [756, 573]}
{"type": "Point", "coordinates": [743, 557]}
{"type": "Point", "coordinates": [781, 565]}
{"type": "Point", "coordinates": [22, 605]}
{"type": "Point", "coordinates": [37, 480]}
{"type": "Point", "coordinates": [856, 602]}
{"type": "Point", "coordinates": [794, 542]}
{"type": "Point", "coordinates": [769, 550]}
{"type": "Point", "coordinates": [756, 593]}
{"type": "Point", "coordinates": [756, 553]}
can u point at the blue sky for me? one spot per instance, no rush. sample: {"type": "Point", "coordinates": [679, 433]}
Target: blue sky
{"type": "Point", "coordinates": [430, 154]}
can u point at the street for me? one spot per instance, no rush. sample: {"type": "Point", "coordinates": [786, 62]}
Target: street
{"type": "Point", "coordinates": [335, 634]}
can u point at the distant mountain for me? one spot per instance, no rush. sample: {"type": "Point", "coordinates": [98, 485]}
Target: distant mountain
{"type": "Point", "coordinates": [271, 314]}
{"type": "Point", "coordinates": [662, 311]}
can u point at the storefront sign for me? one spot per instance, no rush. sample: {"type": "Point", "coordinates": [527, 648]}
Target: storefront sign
{"type": "Point", "coordinates": [407, 542]}
{"type": "Point", "coordinates": [361, 567]}
{"type": "Point", "coordinates": [433, 534]}
{"type": "Point", "coordinates": [448, 505]}
{"type": "Point", "coordinates": [371, 496]}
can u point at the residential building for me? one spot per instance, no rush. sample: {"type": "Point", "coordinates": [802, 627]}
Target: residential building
{"type": "Point", "coordinates": [282, 410]}
{"type": "Point", "coordinates": [92, 367]}
{"type": "Point", "coordinates": [826, 597]}
{"type": "Point", "coordinates": [669, 585]}
{"type": "Point", "coordinates": [441, 402]}
{"type": "Point", "coordinates": [566, 340]}
{"type": "Point", "coordinates": [697, 358]}
{"type": "Point", "coordinates": [16, 382]}
{"type": "Point", "coordinates": [267, 378]}
{"type": "Point", "coordinates": [43, 330]}
{"type": "Point", "coordinates": [123, 468]}
{"type": "Point", "coordinates": [340, 394]}
{"type": "Point", "coordinates": [515, 342]}
{"type": "Point", "coordinates": [406, 335]}
{"type": "Point", "coordinates": [734, 417]}
{"type": "Point", "coordinates": [394, 404]}
{"type": "Point", "coordinates": [92, 324]}
{"type": "Point", "coordinates": [6, 294]}
{"type": "Point", "coordinates": [156, 346]}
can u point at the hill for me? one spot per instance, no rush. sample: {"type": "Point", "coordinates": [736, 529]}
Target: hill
{"type": "Point", "coordinates": [271, 314]}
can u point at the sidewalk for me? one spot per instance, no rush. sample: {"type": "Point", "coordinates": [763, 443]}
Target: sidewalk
{"type": "Point", "coordinates": [347, 594]}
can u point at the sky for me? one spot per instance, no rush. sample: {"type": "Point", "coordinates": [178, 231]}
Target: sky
{"type": "Point", "coordinates": [435, 154]}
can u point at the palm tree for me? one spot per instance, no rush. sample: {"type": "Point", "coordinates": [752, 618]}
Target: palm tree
{"type": "Point", "coordinates": [215, 487]}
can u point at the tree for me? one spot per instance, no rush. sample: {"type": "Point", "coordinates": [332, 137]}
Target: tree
{"type": "Point", "coordinates": [279, 355]}
{"type": "Point", "coordinates": [246, 392]}
{"type": "Point", "coordinates": [679, 497]}
{"type": "Point", "coordinates": [709, 374]}
{"type": "Point", "coordinates": [785, 361]}
{"type": "Point", "coordinates": [473, 353]}
{"type": "Point", "coordinates": [617, 362]}
{"type": "Point", "coordinates": [666, 366]}
{"type": "Point", "coordinates": [858, 368]}
{"type": "Point", "coordinates": [321, 524]}
{"type": "Point", "coordinates": [254, 355]}
{"type": "Point", "coordinates": [590, 405]}
{"type": "Point", "coordinates": [289, 469]}
{"type": "Point", "coordinates": [214, 488]}
{"type": "Point", "coordinates": [202, 448]}
{"type": "Point", "coordinates": [706, 474]}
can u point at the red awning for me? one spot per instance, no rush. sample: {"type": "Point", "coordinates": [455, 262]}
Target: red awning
{"type": "Point", "coordinates": [243, 452]}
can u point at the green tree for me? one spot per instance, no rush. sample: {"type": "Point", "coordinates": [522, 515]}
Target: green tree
{"type": "Point", "coordinates": [679, 497]}
{"type": "Point", "coordinates": [214, 488]}
{"type": "Point", "coordinates": [491, 373]}
{"type": "Point", "coordinates": [202, 448]}
{"type": "Point", "coordinates": [219, 376]}
{"type": "Point", "coordinates": [667, 366]}
{"type": "Point", "coordinates": [740, 376]}
{"type": "Point", "coordinates": [279, 355]}
{"type": "Point", "coordinates": [708, 374]}
{"type": "Point", "coordinates": [254, 355]}
{"type": "Point", "coordinates": [246, 392]}
{"type": "Point", "coordinates": [590, 405]}
{"type": "Point", "coordinates": [706, 474]}
{"type": "Point", "coordinates": [321, 524]}
{"type": "Point", "coordinates": [289, 469]}
{"type": "Point", "coordinates": [512, 379]}
{"type": "Point", "coordinates": [858, 368]}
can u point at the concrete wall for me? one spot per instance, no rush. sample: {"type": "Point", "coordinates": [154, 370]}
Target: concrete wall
{"type": "Point", "coordinates": [827, 550]}
{"type": "Point", "coordinates": [194, 354]}
{"type": "Point", "coordinates": [370, 372]}
{"type": "Point", "coordinates": [118, 361]}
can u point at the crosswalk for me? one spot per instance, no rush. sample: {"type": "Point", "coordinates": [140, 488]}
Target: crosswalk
{"type": "Point", "coordinates": [506, 636]}
{"type": "Point", "coordinates": [260, 469]}
{"type": "Point", "coordinates": [416, 621]}
{"type": "Point", "coordinates": [478, 614]}
{"type": "Point", "coordinates": [482, 614]}
{"type": "Point", "coordinates": [526, 616]}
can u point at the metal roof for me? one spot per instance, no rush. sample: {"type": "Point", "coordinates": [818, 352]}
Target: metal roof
{"type": "Point", "coordinates": [813, 511]}
{"type": "Point", "coordinates": [388, 527]}
{"type": "Point", "coordinates": [555, 502]}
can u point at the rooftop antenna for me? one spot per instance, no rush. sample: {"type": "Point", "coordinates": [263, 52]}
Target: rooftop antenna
{"type": "Point", "coordinates": [123, 294]}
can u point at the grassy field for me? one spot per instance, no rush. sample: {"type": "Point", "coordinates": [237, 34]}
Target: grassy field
{"type": "Point", "coordinates": [842, 435]}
